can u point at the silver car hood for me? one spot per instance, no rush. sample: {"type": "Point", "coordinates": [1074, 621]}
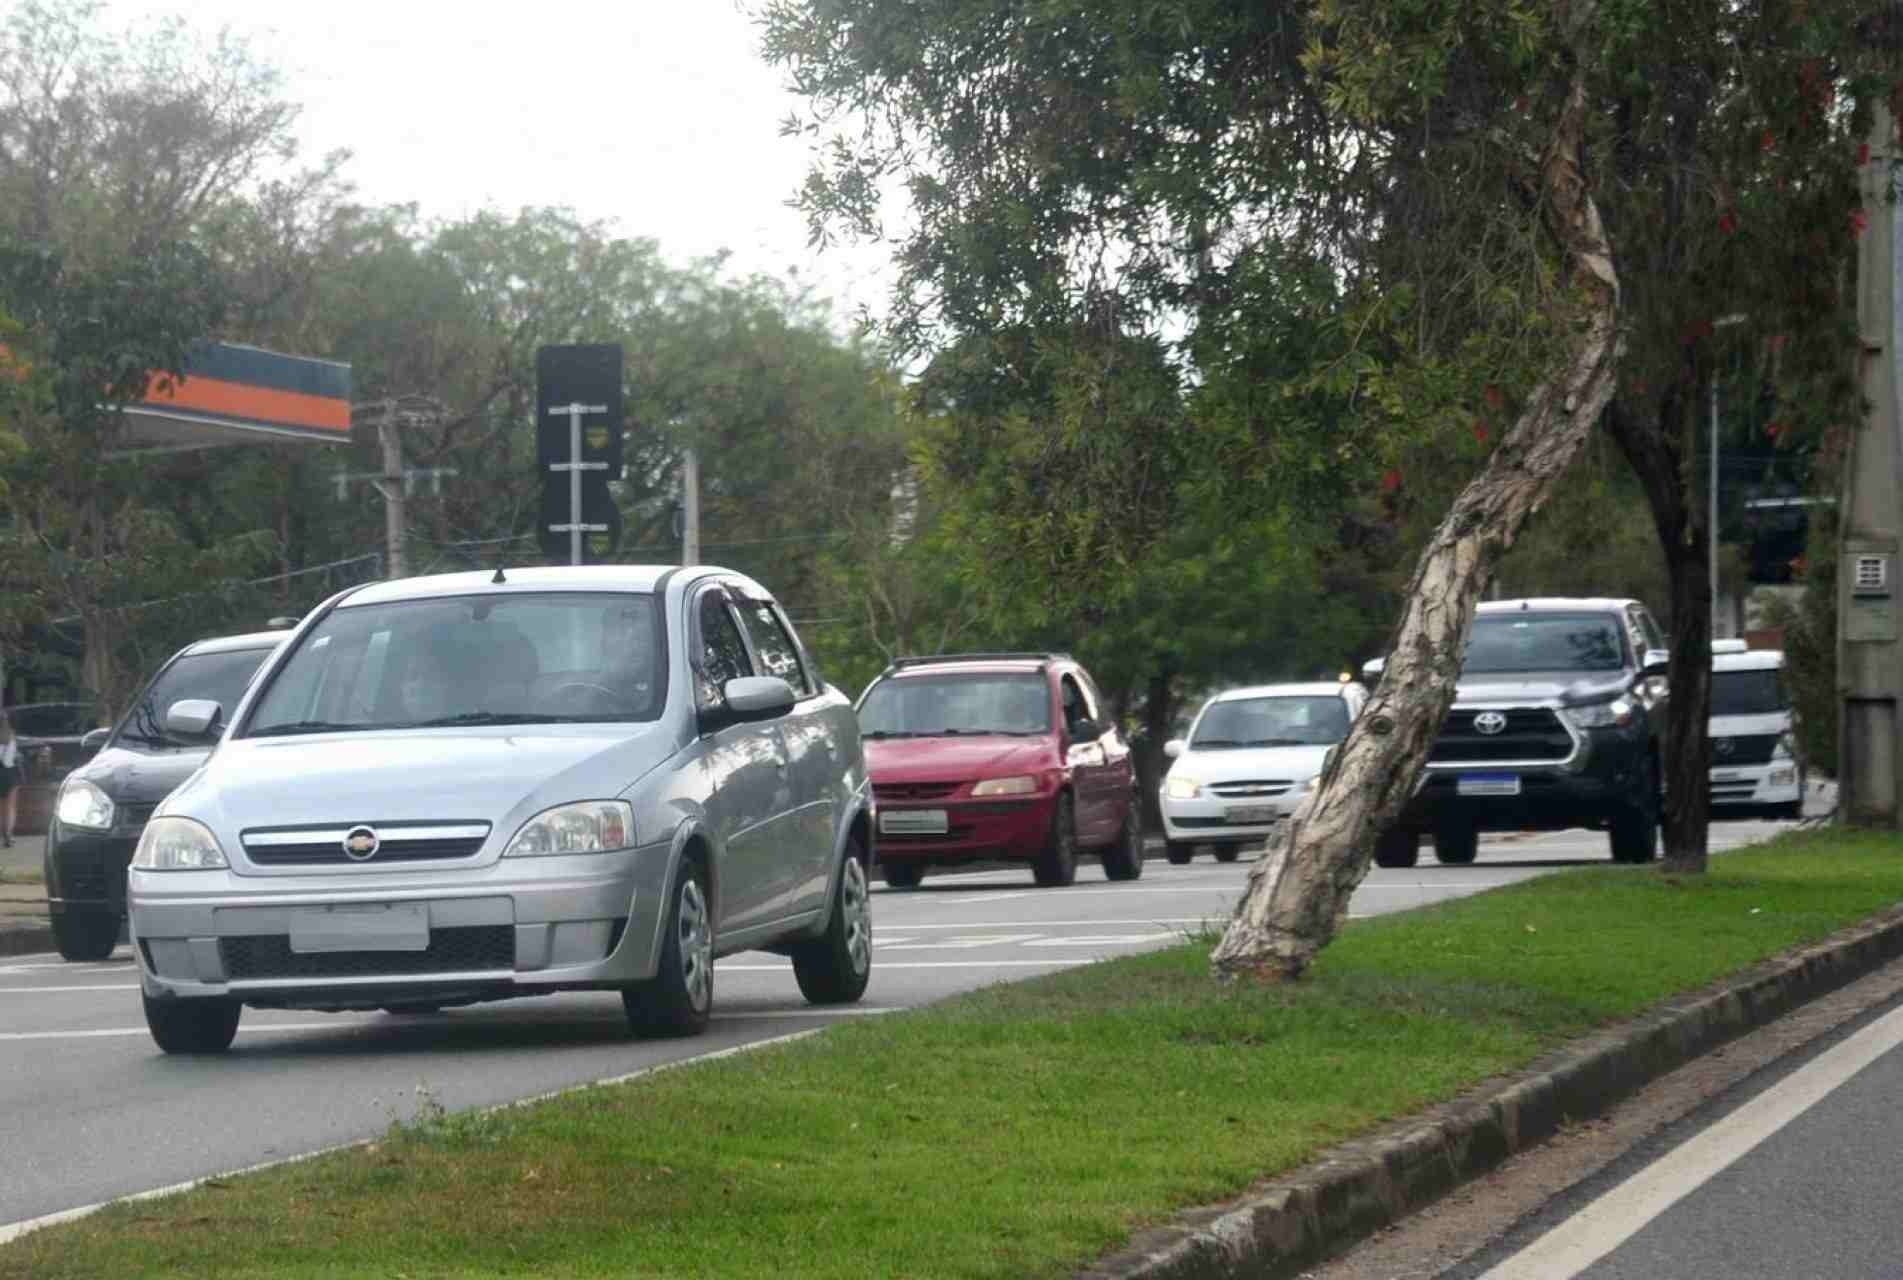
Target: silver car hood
{"type": "Point", "coordinates": [500, 774]}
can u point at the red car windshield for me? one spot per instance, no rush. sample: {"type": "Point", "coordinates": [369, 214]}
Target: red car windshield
{"type": "Point", "coordinates": [974, 703]}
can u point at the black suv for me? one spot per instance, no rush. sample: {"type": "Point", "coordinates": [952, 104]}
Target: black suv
{"type": "Point", "coordinates": [1556, 723]}
{"type": "Point", "coordinates": [103, 804]}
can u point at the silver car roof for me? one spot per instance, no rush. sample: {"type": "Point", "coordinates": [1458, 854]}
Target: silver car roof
{"type": "Point", "coordinates": [593, 577]}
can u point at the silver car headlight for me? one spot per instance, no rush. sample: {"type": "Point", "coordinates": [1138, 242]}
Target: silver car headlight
{"type": "Point", "coordinates": [1182, 787]}
{"type": "Point", "coordinates": [178, 844]}
{"type": "Point", "coordinates": [83, 805]}
{"type": "Point", "coordinates": [590, 826]}
{"type": "Point", "coordinates": [1602, 715]}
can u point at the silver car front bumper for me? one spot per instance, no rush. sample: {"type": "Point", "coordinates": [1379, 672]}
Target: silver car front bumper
{"type": "Point", "coordinates": [520, 926]}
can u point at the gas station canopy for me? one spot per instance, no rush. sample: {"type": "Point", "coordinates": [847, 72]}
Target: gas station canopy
{"type": "Point", "coordinates": [234, 394]}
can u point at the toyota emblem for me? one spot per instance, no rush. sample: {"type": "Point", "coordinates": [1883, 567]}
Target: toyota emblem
{"type": "Point", "coordinates": [361, 844]}
{"type": "Point", "coordinates": [1489, 723]}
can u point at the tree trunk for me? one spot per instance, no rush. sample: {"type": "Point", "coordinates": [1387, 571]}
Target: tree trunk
{"type": "Point", "coordinates": [1159, 710]}
{"type": "Point", "coordinates": [1654, 450]}
{"type": "Point", "coordinates": [1298, 892]}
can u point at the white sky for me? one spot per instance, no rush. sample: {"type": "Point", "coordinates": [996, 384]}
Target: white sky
{"type": "Point", "coordinates": [657, 116]}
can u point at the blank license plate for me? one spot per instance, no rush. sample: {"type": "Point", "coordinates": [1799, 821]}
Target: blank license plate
{"type": "Point", "coordinates": [1487, 784]}
{"type": "Point", "coordinates": [914, 822]}
{"type": "Point", "coordinates": [1244, 814]}
{"type": "Point", "coordinates": [379, 927]}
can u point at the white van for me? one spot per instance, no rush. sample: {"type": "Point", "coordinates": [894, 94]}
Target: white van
{"type": "Point", "coordinates": [1755, 771]}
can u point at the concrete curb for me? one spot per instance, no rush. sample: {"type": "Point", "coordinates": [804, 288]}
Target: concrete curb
{"type": "Point", "coordinates": [1293, 1222]}
{"type": "Point", "coordinates": [21, 941]}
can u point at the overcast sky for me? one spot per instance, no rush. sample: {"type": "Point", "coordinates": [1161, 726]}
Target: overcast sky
{"type": "Point", "coordinates": [656, 114]}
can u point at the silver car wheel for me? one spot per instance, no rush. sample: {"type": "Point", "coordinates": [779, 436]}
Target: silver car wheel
{"type": "Point", "coordinates": [696, 946]}
{"type": "Point", "coordinates": [858, 915]}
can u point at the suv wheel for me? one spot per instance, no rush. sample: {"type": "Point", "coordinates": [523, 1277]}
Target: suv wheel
{"type": "Point", "coordinates": [85, 935]}
{"type": "Point", "coordinates": [1178, 852]}
{"type": "Point", "coordinates": [192, 1026]}
{"type": "Point", "coordinates": [1398, 848]}
{"type": "Point", "coordinates": [1633, 830]}
{"type": "Point", "coordinates": [679, 997]}
{"type": "Point", "coordinates": [1124, 859]}
{"type": "Point", "coordinates": [1456, 846]}
{"type": "Point", "coordinates": [835, 967]}
{"type": "Point", "coordinates": [903, 875]}
{"type": "Point", "coordinates": [1057, 865]}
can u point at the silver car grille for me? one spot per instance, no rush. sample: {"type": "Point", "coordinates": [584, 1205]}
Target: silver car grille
{"type": "Point", "coordinates": [396, 842]}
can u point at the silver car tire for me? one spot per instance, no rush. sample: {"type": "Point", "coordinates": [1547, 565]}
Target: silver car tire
{"type": "Point", "coordinates": [835, 967]}
{"type": "Point", "coordinates": [679, 998]}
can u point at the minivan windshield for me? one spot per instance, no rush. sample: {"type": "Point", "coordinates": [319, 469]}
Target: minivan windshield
{"type": "Point", "coordinates": [1283, 721]}
{"type": "Point", "coordinates": [508, 658]}
{"type": "Point", "coordinates": [218, 677]}
{"type": "Point", "coordinates": [1747, 693]}
{"type": "Point", "coordinates": [1514, 642]}
{"type": "Point", "coordinates": [927, 706]}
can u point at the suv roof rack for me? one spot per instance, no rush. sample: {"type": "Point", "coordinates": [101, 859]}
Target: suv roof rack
{"type": "Point", "coordinates": [995, 655]}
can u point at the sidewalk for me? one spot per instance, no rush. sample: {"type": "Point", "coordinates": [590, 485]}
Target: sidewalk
{"type": "Point", "coordinates": [24, 926]}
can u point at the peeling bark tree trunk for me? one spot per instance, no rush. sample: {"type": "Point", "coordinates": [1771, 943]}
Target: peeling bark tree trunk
{"type": "Point", "coordinates": [1298, 892]}
{"type": "Point", "coordinates": [1657, 458]}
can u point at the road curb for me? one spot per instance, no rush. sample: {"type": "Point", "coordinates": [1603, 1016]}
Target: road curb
{"type": "Point", "coordinates": [1293, 1222]}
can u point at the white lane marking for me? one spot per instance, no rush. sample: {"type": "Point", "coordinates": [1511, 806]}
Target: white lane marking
{"type": "Point", "coordinates": [14, 1230]}
{"type": "Point", "coordinates": [1101, 940]}
{"type": "Point", "coordinates": [1622, 1212]}
{"type": "Point", "coordinates": [34, 991]}
{"type": "Point", "coordinates": [968, 943]}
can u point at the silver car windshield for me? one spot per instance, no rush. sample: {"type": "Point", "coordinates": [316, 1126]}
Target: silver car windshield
{"type": "Point", "coordinates": [541, 658]}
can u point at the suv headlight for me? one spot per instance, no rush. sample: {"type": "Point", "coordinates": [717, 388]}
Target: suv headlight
{"type": "Point", "coordinates": [1021, 785]}
{"type": "Point", "coordinates": [591, 826]}
{"type": "Point", "coordinates": [178, 844]}
{"type": "Point", "coordinates": [1602, 715]}
{"type": "Point", "coordinates": [83, 805]}
{"type": "Point", "coordinates": [1182, 787]}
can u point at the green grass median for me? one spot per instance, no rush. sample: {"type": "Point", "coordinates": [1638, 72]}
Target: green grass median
{"type": "Point", "coordinates": [1021, 1130]}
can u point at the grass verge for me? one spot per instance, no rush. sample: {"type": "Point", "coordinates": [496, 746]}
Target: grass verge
{"type": "Point", "coordinates": [1021, 1130]}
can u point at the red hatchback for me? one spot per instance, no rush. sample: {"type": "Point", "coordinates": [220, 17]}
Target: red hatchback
{"type": "Point", "coordinates": [987, 757]}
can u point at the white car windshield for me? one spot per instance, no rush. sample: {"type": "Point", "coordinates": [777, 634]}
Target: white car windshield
{"type": "Point", "coordinates": [1747, 693]}
{"type": "Point", "coordinates": [501, 659]}
{"type": "Point", "coordinates": [1271, 722]}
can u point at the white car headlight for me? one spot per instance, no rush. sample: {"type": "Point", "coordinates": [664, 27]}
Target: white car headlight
{"type": "Point", "coordinates": [1602, 715]}
{"type": "Point", "coordinates": [81, 804]}
{"type": "Point", "coordinates": [178, 844]}
{"type": "Point", "coordinates": [1021, 785]}
{"type": "Point", "coordinates": [1182, 787]}
{"type": "Point", "coordinates": [591, 826]}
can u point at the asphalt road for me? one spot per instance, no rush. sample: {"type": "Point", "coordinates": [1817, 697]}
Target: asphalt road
{"type": "Point", "coordinates": [91, 1110]}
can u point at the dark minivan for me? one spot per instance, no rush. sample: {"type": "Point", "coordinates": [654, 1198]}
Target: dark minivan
{"type": "Point", "coordinates": [103, 804]}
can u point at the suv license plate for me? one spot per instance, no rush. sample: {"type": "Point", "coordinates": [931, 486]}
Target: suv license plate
{"type": "Point", "coordinates": [1246, 814]}
{"type": "Point", "coordinates": [913, 822]}
{"type": "Point", "coordinates": [1487, 784]}
{"type": "Point", "coordinates": [402, 926]}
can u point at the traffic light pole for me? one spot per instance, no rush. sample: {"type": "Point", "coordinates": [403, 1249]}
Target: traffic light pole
{"type": "Point", "coordinates": [574, 467]}
{"type": "Point", "coordinates": [1869, 658]}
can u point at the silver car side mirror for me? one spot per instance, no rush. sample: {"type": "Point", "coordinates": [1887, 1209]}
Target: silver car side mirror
{"type": "Point", "coordinates": [193, 717]}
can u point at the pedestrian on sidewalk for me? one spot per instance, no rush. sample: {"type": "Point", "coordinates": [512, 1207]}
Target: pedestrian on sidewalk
{"type": "Point", "coordinates": [9, 779]}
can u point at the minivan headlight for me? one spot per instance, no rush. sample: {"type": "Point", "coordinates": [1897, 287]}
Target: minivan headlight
{"type": "Point", "coordinates": [178, 844]}
{"type": "Point", "coordinates": [1602, 715]}
{"type": "Point", "coordinates": [1182, 787]}
{"type": "Point", "coordinates": [590, 826]}
{"type": "Point", "coordinates": [83, 805]}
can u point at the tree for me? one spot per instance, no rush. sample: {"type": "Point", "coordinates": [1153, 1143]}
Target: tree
{"type": "Point", "coordinates": [1461, 174]}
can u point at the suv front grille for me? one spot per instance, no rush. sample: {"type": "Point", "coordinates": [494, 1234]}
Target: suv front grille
{"type": "Point", "coordinates": [1531, 733]}
{"type": "Point", "coordinates": [1755, 748]}
{"type": "Point", "coordinates": [460, 949]}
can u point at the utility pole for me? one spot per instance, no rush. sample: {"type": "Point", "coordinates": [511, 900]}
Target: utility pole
{"type": "Point", "coordinates": [395, 482]}
{"type": "Point", "coordinates": [1869, 660]}
{"type": "Point", "coordinates": [690, 507]}
{"type": "Point", "coordinates": [391, 487]}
